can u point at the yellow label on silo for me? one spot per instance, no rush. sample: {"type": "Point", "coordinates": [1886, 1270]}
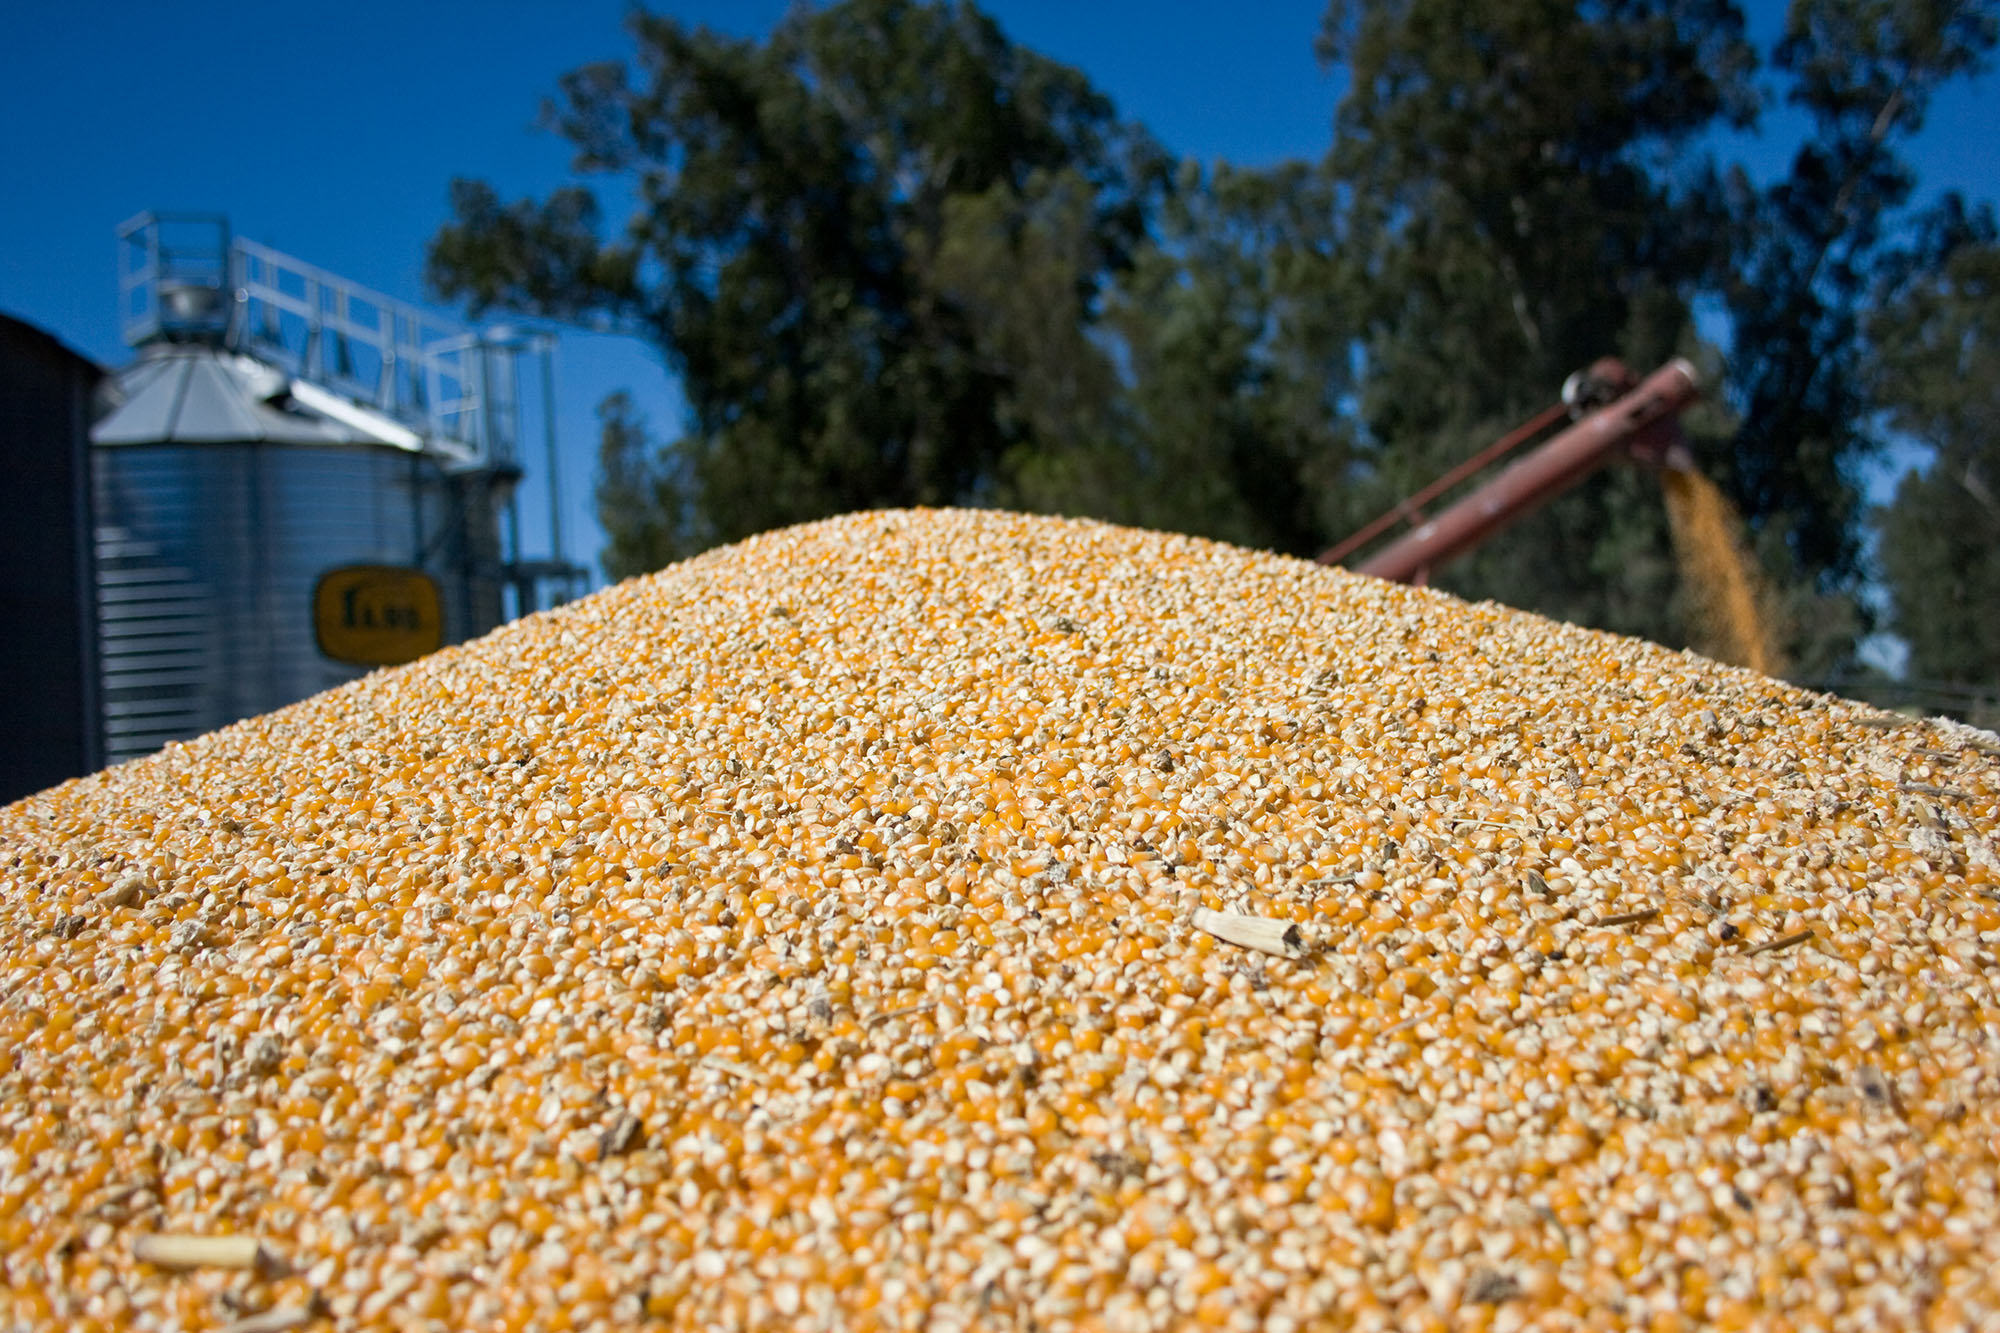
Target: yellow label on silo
{"type": "Point", "coordinates": [377, 615]}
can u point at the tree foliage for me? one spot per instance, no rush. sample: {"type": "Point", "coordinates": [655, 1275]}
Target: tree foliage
{"type": "Point", "coordinates": [1522, 207]}
{"type": "Point", "coordinates": [1236, 334]}
{"type": "Point", "coordinates": [1938, 375]}
{"type": "Point", "coordinates": [1812, 249]}
{"type": "Point", "coordinates": [1537, 203]}
{"type": "Point", "coordinates": [643, 506]}
{"type": "Point", "coordinates": [1506, 159]}
{"type": "Point", "coordinates": [895, 258]}
{"type": "Point", "coordinates": [797, 201]}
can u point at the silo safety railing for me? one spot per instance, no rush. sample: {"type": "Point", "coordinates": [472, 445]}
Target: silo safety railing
{"type": "Point", "coordinates": [183, 277]}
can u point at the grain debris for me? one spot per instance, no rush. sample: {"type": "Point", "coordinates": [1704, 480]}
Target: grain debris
{"type": "Point", "coordinates": [278, 1319]}
{"type": "Point", "coordinates": [1639, 917]}
{"type": "Point", "coordinates": [1787, 942]}
{"type": "Point", "coordinates": [1280, 939]}
{"type": "Point", "coordinates": [181, 1252]}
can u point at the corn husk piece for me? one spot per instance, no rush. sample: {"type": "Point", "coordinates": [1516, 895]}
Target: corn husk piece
{"type": "Point", "coordinates": [173, 1251]}
{"type": "Point", "coordinates": [1265, 934]}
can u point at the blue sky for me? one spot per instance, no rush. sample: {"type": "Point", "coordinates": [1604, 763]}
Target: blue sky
{"type": "Point", "coordinates": [331, 132]}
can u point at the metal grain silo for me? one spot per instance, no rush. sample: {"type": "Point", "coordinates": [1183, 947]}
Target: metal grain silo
{"type": "Point", "coordinates": [297, 480]}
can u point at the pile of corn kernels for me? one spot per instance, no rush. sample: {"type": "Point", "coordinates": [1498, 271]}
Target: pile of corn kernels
{"type": "Point", "coordinates": [822, 934]}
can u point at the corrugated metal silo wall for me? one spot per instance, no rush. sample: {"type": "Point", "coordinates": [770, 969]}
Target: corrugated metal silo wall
{"type": "Point", "coordinates": [207, 560]}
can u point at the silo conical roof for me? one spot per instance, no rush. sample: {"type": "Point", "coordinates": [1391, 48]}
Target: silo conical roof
{"type": "Point", "coordinates": [193, 394]}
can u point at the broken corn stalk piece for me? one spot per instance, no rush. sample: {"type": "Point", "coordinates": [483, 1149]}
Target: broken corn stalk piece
{"type": "Point", "coordinates": [174, 1251]}
{"type": "Point", "coordinates": [1280, 939]}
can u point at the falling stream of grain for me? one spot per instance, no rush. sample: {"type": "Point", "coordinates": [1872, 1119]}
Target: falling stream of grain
{"type": "Point", "coordinates": [1722, 585]}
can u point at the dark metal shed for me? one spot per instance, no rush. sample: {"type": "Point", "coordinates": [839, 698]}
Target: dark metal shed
{"type": "Point", "coordinates": [49, 714]}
